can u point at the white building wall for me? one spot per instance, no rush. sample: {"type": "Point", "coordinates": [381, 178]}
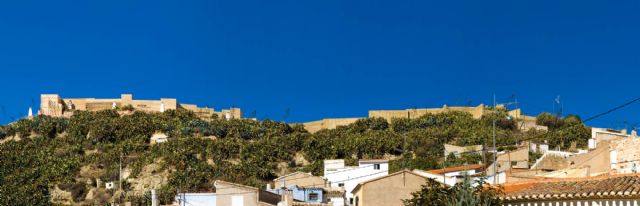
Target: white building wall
{"type": "Point", "coordinates": [351, 176]}
{"type": "Point", "coordinates": [196, 199]}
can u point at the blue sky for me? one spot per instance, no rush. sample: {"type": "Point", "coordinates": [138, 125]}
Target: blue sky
{"type": "Point", "coordinates": [321, 59]}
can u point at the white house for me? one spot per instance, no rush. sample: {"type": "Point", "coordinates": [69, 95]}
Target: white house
{"type": "Point", "coordinates": [348, 177]}
{"type": "Point", "coordinates": [195, 199]}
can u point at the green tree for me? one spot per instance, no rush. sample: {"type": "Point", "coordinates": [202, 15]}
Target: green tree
{"type": "Point", "coordinates": [462, 194]}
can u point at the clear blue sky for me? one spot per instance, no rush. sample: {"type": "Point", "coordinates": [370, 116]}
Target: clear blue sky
{"type": "Point", "coordinates": [330, 58]}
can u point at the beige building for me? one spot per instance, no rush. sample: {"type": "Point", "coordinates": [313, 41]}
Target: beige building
{"type": "Point", "coordinates": [54, 105]}
{"type": "Point", "coordinates": [516, 159]}
{"type": "Point", "coordinates": [231, 194]}
{"type": "Point", "coordinates": [388, 190]}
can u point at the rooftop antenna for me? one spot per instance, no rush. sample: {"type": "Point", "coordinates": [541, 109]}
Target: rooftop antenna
{"type": "Point", "coordinates": [557, 106]}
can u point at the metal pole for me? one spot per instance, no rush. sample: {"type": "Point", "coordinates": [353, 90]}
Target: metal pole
{"type": "Point", "coordinates": [120, 173]}
{"type": "Point", "coordinates": [495, 154]}
{"type": "Point", "coordinates": [495, 150]}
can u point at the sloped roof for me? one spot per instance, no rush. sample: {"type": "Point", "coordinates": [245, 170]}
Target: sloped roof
{"type": "Point", "coordinates": [386, 176]}
{"type": "Point", "coordinates": [456, 169]}
{"type": "Point", "coordinates": [585, 188]}
{"type": "Point", "coordinates": [263, 196]}
{"type": "Point", "coordinates": [218, 182]}
{"type": "Point", "coordinates": [292, 174]}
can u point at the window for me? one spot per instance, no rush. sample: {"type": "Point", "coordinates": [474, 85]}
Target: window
{"type": "Point", "coordinates": [376, 166]}
{"type": "Point", "coordinates": [514, 163]}
{"type": "Point", "coordinates": [340, 184]}
{"type": "Point", "coordinates": [351, 201]}
{"type": "Point", "coordinates": [313, 196]}
{"type": "Point", "coordinates": [357, 201]}
{"type": "Point", "coordinates": [237, 201]}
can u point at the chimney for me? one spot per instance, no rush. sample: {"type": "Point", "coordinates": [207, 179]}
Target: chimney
{"type": "Point", "coordinates": [30, 115]}
{"type": "Point", "coordinates": [287, 198]}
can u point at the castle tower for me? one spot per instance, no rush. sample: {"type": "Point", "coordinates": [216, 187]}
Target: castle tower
{"type": "Point", "coordinates": [51, 105]}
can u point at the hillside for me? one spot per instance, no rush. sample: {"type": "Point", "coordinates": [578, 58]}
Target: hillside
{"type": "Point", "coordinates": [49, 160]}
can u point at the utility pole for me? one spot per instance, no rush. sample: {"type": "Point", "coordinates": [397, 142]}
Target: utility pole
{"type": "Point", "coordinates": [120, 174]}
{"type": "Point", "coordinates": [495, 150]}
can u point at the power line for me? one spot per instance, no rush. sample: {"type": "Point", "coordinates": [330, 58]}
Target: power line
{"type": "Point", "coordinates": [612, 109]}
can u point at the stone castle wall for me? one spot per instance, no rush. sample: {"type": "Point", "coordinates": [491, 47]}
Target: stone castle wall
{"type": "Point", "coordinates": [54, 105]}
{"type": "Point", "coordinates": [524, 122]}
{"type": "Point", "coordinates": [328, 124]}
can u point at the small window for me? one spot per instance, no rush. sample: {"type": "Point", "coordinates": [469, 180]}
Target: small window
{"type": "Point", "coordinates": [313, 196]}
{"type": "Point", "coordinates": [357, 201]}
{"type": "Point", "coordinates": [340, 184]}
{"type": "Point", "coordinates": [376, 166]}
{"type": "Point", "coordinates": [514, 163]}
{"type": "Point", "coordinates": [351, 201]}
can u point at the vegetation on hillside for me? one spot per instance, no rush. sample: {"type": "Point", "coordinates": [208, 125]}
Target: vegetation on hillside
{"type": "Point", "coordinates": [55, 152]}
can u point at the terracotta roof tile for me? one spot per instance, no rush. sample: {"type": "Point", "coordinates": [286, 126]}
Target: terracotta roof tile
{"type": "Point", "coordinates": [621, 186]}
{"type": "Point", "coordinates": [455, 169]}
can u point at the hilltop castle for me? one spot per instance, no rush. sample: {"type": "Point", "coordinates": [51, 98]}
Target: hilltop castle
{"type": "Point", "coordinates": [54, 105]}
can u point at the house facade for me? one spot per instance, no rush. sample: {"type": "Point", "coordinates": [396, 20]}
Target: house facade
{"type": "Point", "coordinates": [516, 159]}
{"type": "Point", "coordinates": [196, 199]}
{"type": "Point", "coordinates": [388, 190]}
{"type": "Point", "coordinates": [348, 177]}
{"type": "Point", "coordinates": [231, 194]}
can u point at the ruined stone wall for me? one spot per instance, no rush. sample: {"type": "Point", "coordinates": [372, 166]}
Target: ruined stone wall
{"type": "Point", "coordinates": [315, 126]}
{"type": "Point", "coordinates": [476, 112]}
